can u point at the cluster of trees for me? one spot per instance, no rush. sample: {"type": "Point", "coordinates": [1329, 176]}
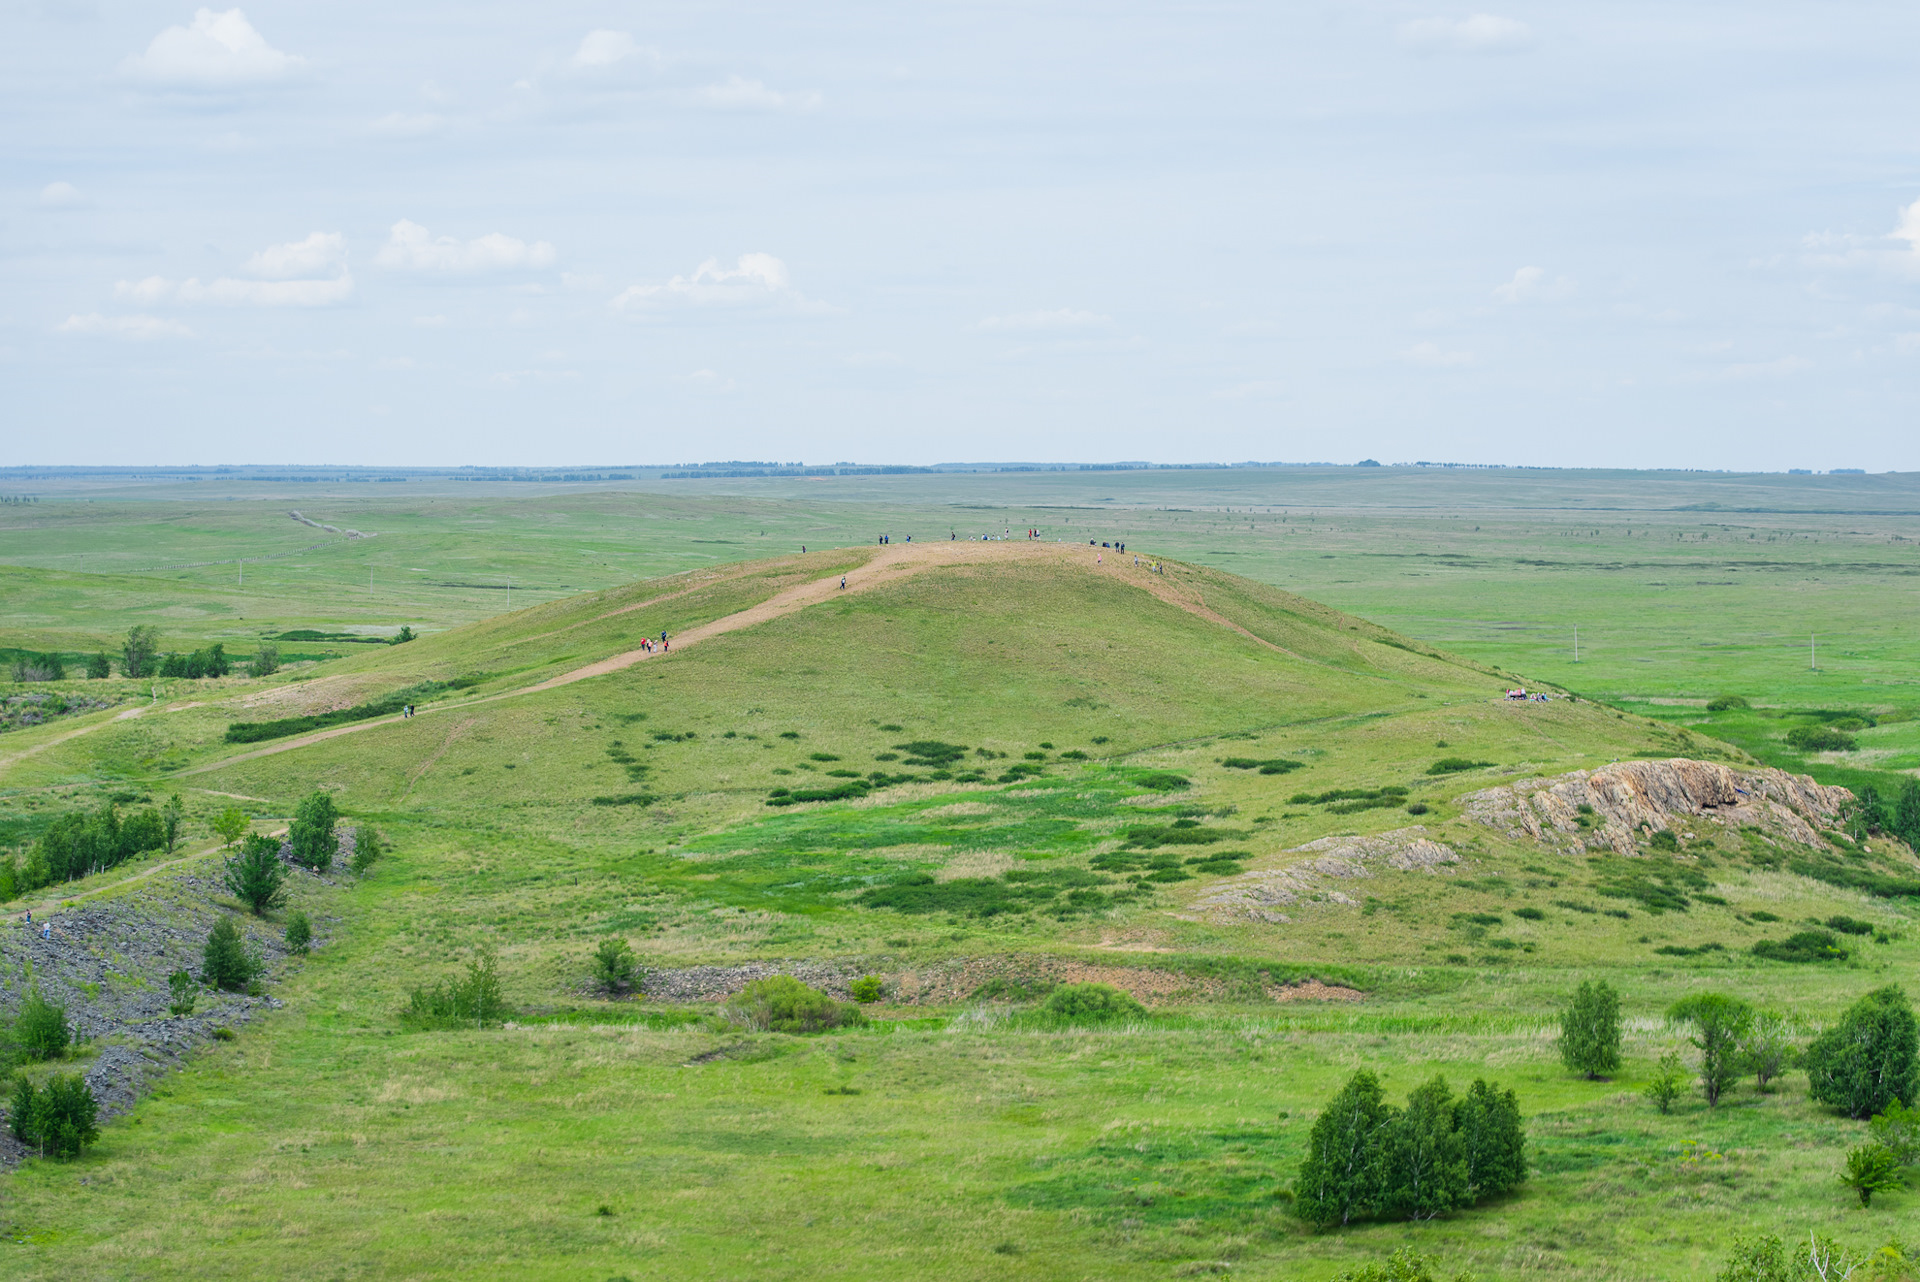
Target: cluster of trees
{"type": "Point", "coordinates": [1763, 1257]}
{"type": "Point", "coordinates": [1869, 1058]}
{"type": "Point", "coordinates": [60, 1115]}
{"type": "Point", "coordinates": [1369, 1159]}
{"type": "Point", "coordinates": [39, 667]}
{"type": "Point", "coordinates": [1894, 816]}
{"type": "Point", "coordinates": [78, 844]}
{"type": "Point", "coordinates": [475, 999]}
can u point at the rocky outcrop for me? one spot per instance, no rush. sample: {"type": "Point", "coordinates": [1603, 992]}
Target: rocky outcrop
{"type": "Point", "coordinates": [1260, 895]}
{"type": "Point", "coordinates": [1677, 794]}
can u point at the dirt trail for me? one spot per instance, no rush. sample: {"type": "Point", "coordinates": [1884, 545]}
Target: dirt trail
{"type": "Point", "coordinates": [889, 565]}
{"type": "Point", "coordinates": [24, 753]}
{"type": "Point", "coordinates": [54, 895]}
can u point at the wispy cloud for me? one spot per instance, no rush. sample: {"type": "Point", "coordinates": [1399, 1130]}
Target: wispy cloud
{"type": "Point", "coordinates": [60, 196]}
{"type": "Point", "coordinates": [1057, 318]}
{"type": "Point", "coordinates": [302, 273]}
{"type": "Point", "coordinates": [135, 328]}
{"type": "Point", "coordinates": [738, 93]}
{"type": "Point", "coordinates": [1479, 33]}
{"type": "Point", "coordinates": [219, 51]}
{"type": "Point", "coordinates": [412, 248]}
{"type": "Point", "coordinates": [754, 278]}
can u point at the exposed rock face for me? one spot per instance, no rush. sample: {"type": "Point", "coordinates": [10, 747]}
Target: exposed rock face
{"type": "Point", "coordinates": [1660, 795]}
{"type": "Point", "coordinates": [1258, 895]}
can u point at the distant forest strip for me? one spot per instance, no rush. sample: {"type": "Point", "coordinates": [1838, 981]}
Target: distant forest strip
{"type": "Point", "coordinates": [256, 731]}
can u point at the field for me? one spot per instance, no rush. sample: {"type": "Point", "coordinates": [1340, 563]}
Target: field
{"type": "Point", "coordinates": [1092, 807]}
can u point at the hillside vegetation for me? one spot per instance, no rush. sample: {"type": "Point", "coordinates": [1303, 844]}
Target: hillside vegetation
{"type": "Point", "coordinates": [980, 774]}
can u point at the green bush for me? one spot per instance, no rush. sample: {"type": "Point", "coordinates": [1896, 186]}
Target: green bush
{"type": "Point", "coordinates": [475, 999]}
{"type": "Point", "coordinates": [1849, 925]}
{"type": "Point", "coordinates": [58, 1119]}
{"type": "Point", "coordinates": [1868, 1060]}
{"type": "Point", "coordinates": [1590, 1031]}
{"type": "Point", "coordinates": [40, 1029]}
{"type": "Point", "coordinates": [1820, 739]}
{"type": "Point", "coordinates": [1454, 765]}
{"type": "Point", "coordinates": [1530, 913]}
{"type": "Point", "coordinates": [367, 847]}
{"type": "Point", "coordinates": [299, 933]}
{"type": "Point", "coordinates": [1405, 1265]}
{"type": "Point", "coordinates": [868, 989]}
{"type": "Point", "coordinates": [782, 1004]}
{"type": "Point", "coordinates": [1719, 1025]}
{"type": "Point", "coordinates": [1872, 1168]}
{"type": "Point", "coordinates": [1092, 1003]}
{"type": "Point", "coordinates": [255, 876]}
{"type": "Point", "coordinates": [1803, 946]}
{"type": "Point", "coordinates": [183, 993]}
{"type": "Point", "coordinates": [311, 834]}
{"type": "Point", "coordinates": [1668, 1084]}
{"type": "Point", "coordinates": [1726, 703]}
{"type": "Point", "coordinates": [614, 966]}
{"type": "Point", "coordinates": [227, 962]}
{"type": "Point", "coordinates": [931, 752]}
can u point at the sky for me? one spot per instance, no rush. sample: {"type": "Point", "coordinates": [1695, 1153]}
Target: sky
{"type": "Point", "coordinates": [1622, 235]}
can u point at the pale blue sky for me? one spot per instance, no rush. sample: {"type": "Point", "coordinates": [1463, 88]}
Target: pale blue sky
{"type": "Point", "coordinates": [1621, 234]}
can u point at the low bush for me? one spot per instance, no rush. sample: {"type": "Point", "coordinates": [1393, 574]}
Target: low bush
{"type": "Point", "coordinates": [1849, 925]}
{"type": "Point", "coordinates": [368, 846]}
{"type": "Point", "coordinates": [1160, 781]}
{"type": "Point", "coordinates": [299, 933]}
{"type": "Point", "coordinates": [1802, 946]}
{"type": "Point", "coordinates": [1820, 739]}
{"type": "Point", "coordinates": [931, 752]}
{"type": "Point", "coordinates": [782, 1004]}
{"type": "Point", "coordinates": [40, 1029]}
{"type": "Point", "coordinates": [255, 876]}
{"type": "Point", "coordinates": [1266, 766]}
{"type": "Point", "coordinates": [1092, 1004]}
{"type": "Point", "coordinates": [475, 999]}
{"type": "Point", "coordinates": [1404, 1265]}
{"type": "Point", "coordinates": [1530, 913]}
{"type": "Point", "coordinates": [867, 989]}
{"type": "Point", "coordinates": [1454, 765]}
{"type": "Point", "coordinates": [627, 799]}
{"type": "Point", "coordinates": [182, 993]}
{"type": "Point", "coordinates": [1727, 703]}
{"type": "Point", "coordinates": [615, 968]}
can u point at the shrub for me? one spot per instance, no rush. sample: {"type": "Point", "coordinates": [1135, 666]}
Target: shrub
{"type": "Point", "coordinates": [1726, 703]}
{"type": "Point", "coordinates": [255, 876]}
{"type": "Point", "coordinates": [1453, 765]}
{"type": "Point", "coordinates": [1530, 913]}
{"type": "Point", "coordinates": [1820, 739]}
{"type": "Point", "coordinates": [311, 834]}
{"type": "Point", "coordinates": [1590, 1031]}
{"type": "Point", "coordinates": [1092, 1003]}
{"type": "Point", "coordinates": [1664, 840]}
{"type": "Point", "coordinates": [1767, 1047]}
{"type": "Point", "coordinates": [614, 965]}
{"type": "Point", "coordinates": [266, 660]}
{"type": "Point", "coordinates": [867, 989]}
{"type": "Point", "coordinates": [230, 825]}
{"type": "Point", "coordinates": [1161, 781]}
{"type": "Point", "coordinates": [367, 847]}
{"type": "Point", "coordinates": [1868, 1060]}
{"type": "Point", "coordinates": [60, 1118]}
{"type": "Point", "coordinates": [1803, 946]}
{"type": "Point", "coordinates": [1849, 925]}
{"type": "Point", "coordinates": [226, 962]}
{"type": "Point", "coordinates": [183, 992]}
{"type": "Point", "coordinates": [299, 933]}
{"type": "Point", "coordinates": [1339, 1180]}
{"type": "Point", "coordinates": [1669, 1082]}
{"type": "Point", "coordinates": [99, 668]}
{"type": "Point", "coordinates": [1719, 1023]}
{"type": "Point", "coordinates": [782, 1004]}
{"type": "Point", "coordinates": [1872, 1169]}
{"type": "Point", "coordinates": [41, 1029]}
{"type": "Point", "coordinates": [1405, 1265]}
{"type": "Point", "coordinates": [931, 752]}
{"type": "Point", "coordinates": [477, 997]}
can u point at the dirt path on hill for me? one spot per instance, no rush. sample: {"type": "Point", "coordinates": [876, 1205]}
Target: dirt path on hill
{"type": "Point", "coordinates": [62, 895]}
{"type": "Point", "coordinates": [23, 754]}
{"type": "Point", "coordinates": [891, 564]}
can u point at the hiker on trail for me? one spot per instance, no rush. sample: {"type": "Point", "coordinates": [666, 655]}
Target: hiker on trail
{"type": "Point", "coordinates": [843, 583]}
{"type": "Point", "coordinates": [1098, 560]}
{"type": "Point", "coordinates": [803, 547]}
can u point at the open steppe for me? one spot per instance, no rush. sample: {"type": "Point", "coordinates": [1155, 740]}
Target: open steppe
{"type": "Point", "coordinates": [560, 785]}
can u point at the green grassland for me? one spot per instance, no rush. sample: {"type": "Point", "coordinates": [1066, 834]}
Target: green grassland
{"type": "Point", "coordinates": [956, 1136]}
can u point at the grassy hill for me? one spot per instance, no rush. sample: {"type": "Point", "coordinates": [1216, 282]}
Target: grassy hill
{"type": "Point", "coordinates": [1052, 768]}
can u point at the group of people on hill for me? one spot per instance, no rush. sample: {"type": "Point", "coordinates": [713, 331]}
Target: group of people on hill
{"type": "Point", "coordinates": [647, 643]}
{"type": "Point", "coordinates": [888, 538]}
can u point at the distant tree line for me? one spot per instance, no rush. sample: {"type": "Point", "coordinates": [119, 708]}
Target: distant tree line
{"type": "Point", "coordinates": [1892, 816]}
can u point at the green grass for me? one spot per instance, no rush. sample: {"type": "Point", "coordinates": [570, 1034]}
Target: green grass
{"type": "Point", "coordinates": [961, 1137]}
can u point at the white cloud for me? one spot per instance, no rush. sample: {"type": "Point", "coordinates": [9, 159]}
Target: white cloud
{"type": "Point", "coordinates": [754, 278]}
{"type": "Point", "coordinates": [411, 248]}
{"type": "Point", "coordinates": [737, 93]}
{"type": "Point", "coordinates": [1480, 33]}
{"type": "Point", "coordinates": [1433, 356]}
{"type": "Point", "coordinates": [608, 48]}
{"type": "Point", "coordinates": [60, 195]}
{"type": "Point", "coordinates": [137, 328]}
{"type": "Point", "coordinates": [301, 273]}
{"type": "Point", "coordinates": [320, 253]}
{"type": "Point", "coordinates": [1909, 228]}
{"type": "Point", "coordinates": [1524, 283]}
{"type": "Point", "coordinates": [1058, 318]}
{"type": "Point", "coordinates": [398, 124]}
{"type": "Point", "coordinates": [219, 51]}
